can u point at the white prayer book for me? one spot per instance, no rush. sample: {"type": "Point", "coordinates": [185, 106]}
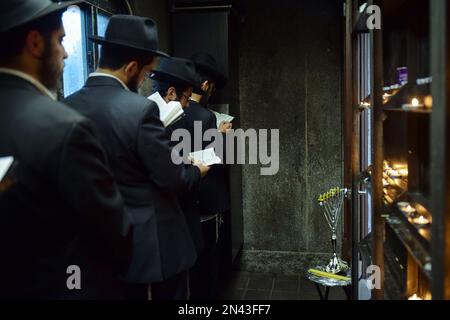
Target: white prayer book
{"type": "Point", "coordinates": [222, 117]}
{"type": "Point", "coordinates": [168, 112]}
{"type": "Point", "coordinates": [208, 157]}
{"type": "Point", "coordinates": [5, 164]}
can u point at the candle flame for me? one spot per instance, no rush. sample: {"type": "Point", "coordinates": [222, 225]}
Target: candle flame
{"type": "Point", "coordinates": [409, 209]}
{"type": "Point", "coordinates": [421, 220]}
{"type": "Point", "coordinates": [415, 297]}
{"type": "Point", "coordinates": [415, 102]}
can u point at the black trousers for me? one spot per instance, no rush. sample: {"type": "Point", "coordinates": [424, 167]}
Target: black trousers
{"type": "Point", "coordinates": [175, 288]}
{"type": "Point", "coordinates": [137, 291]}
{"type": "Point", "coordinates": [203, 276]}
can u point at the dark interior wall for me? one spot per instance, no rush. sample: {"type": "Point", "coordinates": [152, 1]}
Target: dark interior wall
{"type": "Point", "coordinates": [157, 10]}
{"type": "Point", "coordinates": [290, 78]}
{"type": "Point", "coordinates": [290, 66]}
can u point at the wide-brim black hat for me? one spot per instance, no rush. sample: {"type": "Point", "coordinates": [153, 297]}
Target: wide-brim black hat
{"type": "Point", "coordinates": [177, 70]}
{"type": "Point", "coordinates": [131, 32]}
{"type": "Point", "coordinates": [15, 13]}
{"type": "Point", "coordinates": [206, 64]}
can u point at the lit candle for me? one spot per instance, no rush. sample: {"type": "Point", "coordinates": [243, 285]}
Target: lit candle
{"type": "Point", "coordinates": [415, 103]}
{"type": "Point", "coordinates": [394, 173]}
{"type": "Point", "coordinates": [415, 297]}
{"type": "Point", "coordinates": [422, 221]}
{"type": "Point", "coordinates": [408, 209]}
{"type": "Point", "coordinates": [386, 96]}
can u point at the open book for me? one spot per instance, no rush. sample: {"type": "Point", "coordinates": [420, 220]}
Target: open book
{"type": "Point", "coordinates": [168, 112]}
{"type": "Point", "coordinates": [222, 117]}
{"type": "Point", "coordinates": [208, 157]}
{"type": "Point", "coordinates": [5, 165]}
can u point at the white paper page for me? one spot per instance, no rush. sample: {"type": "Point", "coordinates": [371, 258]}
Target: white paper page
{"type": "Point", "coordinates": [207, 156]}
{"type": "Point", "coordinates": [176, 111]}
{"type": "Point", "coordinates": [5, 164]}
{"type": "Point", "coordinates": [168, 112]}
{"type": "Point", "coordinates": [162, 105]}
{"type": "Point", "coordinates": [222, 117]}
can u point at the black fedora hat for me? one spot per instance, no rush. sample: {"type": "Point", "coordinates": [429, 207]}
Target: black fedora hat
{"type": "Point", "coordinates": [177, 70]}
{"type": "Point", "coordinates": [15, 13]}
{"type": "Point", "coordinates": [206, 64]}
{"type": "Point", "coordinates": [132, 32]}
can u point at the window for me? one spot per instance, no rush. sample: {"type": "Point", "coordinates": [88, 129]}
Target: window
{"type": "Point", "coordinates": [102, 22]}
{"type": "Point", "coordinates": [75, 71]}
{"type": "Point", "coordinates": [80, 22]}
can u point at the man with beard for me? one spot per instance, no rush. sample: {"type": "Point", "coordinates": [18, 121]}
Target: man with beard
{"type": "Point", "coordinates": [140, 155]}
{"type": "Point", "coordinates": [174, 80]}
{"type": "Point", "coordinates": [63, 211]}
{"type": "Point", "coordinates": [211, 197]}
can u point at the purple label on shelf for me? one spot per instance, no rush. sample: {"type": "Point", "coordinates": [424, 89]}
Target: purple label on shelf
{"type": "Point", "coordinates": [402, 75]}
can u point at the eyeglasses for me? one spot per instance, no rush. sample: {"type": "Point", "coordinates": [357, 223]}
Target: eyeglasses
{"type": "Point", "coordinates": [183, 95]}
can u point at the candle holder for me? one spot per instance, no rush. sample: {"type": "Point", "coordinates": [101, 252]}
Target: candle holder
{"type": "Point", "coordinates": [421, 221]}
{"type": "Point", "coordinates": [331, 205]}
{"type": "Point", "coordinates": [407, 209]}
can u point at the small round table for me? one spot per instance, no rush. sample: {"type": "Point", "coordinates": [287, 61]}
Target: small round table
{"type": "Point", "coordinates": [329, 283]}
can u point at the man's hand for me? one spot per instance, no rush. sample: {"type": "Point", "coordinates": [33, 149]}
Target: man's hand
{"type": "Point", "coordinates": [224, 126]}
{"type": "Point", "coordinates": [203, 169]}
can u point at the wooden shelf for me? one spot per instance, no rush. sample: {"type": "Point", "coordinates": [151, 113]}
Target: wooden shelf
{"type": "Point", "coordinates": [395, 276]}
{"type": "Point", "coordinates": [418, 110]}
{"type": "Point", "coordinates": [416, 245]}
{"type": "Point", "coordinates": [421, 199]}
{"type": "Point", "coordinates": [414, 35]}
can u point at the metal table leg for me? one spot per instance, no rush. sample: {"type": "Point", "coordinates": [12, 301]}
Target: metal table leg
{"type": "Point", "coordinates": [319, 291]}
{"type": "Point", "coordinates": [321, 295]}
{"type": "Point", "coordinates": [347, 291]}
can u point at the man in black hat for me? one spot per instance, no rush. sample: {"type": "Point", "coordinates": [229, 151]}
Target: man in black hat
{"type": "Point", "coordinates": [211, 197]}
{"type": "Point", "coordinates": [174, 80]}
{"type": "Point", "coordinates": [62, 219]}
{"type": "Point", "coordinates": [140, 155]}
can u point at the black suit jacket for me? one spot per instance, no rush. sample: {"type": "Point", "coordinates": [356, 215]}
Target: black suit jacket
{"type": "Point", "coordinates": [212, 194]}
{"type": "Point", "coordinates": [64, 207]}
{"type": "Point", "coordinates": [139, 152]}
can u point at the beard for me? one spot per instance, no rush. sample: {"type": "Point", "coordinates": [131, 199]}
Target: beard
{"type": "Point", "coordinates": [133, 83]}
{"type": "Point", "coordinates": [51, 70]}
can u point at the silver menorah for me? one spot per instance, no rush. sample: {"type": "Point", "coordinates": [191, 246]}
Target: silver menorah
{"type": "Point", "coordinates": [331, 204]}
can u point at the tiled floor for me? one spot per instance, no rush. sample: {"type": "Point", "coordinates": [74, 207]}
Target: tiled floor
{"type": "Point", "coordinates": [266, 286]}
